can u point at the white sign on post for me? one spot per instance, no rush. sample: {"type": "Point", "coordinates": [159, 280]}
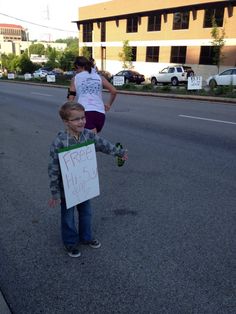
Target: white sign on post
{"type": "Point", "coordinates": [195, 82]}
{"type": "Point", "coordinates": [10, 76]}
{"type": "Point", "coordinates": [118, 80]}
{"type": "Point", "coordinates": [79, 173]}
{"type": "Point", "coordinates": [51, 78]}
{"type": "Point", "coordinates": [27, 76]}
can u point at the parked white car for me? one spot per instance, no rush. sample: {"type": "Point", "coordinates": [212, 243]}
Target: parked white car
{"type": "Point", "coordinates": [227, 77]}
{"type": "Point", "coordinates": [40, 73]}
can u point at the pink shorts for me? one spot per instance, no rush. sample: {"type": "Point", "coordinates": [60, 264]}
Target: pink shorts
{"type": "Point", "coordinates": [94, 120]}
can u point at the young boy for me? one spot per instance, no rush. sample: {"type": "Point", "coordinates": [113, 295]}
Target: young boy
{"type": "Point", "coordinates": [73, 116]}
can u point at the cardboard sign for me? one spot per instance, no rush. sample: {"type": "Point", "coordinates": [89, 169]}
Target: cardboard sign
{"type": "Point", "coordinates": [79, 173]}
{"type": "Point", "coordinates": [118, 80]}
{"type": "Point", "coordinates": [195, 82]}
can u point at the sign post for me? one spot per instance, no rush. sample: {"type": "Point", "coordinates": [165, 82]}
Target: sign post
{"type": "Point", "coordinates": [194, 82]}
{"type": "Point", "coordinates": [10, 76]}
{"type": "Point", "coordinates": [51, 78]}
{"type": "Point", "coordinates": [27, 76]}
{"type": "Point", "coordinates": [79, 173]}
{"type": "Point", "coordinates": [118, 80]}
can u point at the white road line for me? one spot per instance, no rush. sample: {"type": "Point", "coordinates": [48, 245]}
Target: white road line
{"type": "Point", "coordinates": [39, 94]}
{"type": "Point", "coordinates": [213, 120]}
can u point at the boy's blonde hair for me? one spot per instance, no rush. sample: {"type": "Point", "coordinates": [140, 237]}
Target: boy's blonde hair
{"type": "Point", "coordinates": [69, 106]}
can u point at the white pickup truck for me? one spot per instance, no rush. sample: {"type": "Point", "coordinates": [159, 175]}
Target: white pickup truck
{"type": "Point", "coordinates": [172, 75]}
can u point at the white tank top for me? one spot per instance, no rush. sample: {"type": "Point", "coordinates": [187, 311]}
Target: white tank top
{"type": "Point", "coordinates": [89, 91]}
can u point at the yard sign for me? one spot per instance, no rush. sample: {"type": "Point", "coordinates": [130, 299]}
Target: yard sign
{"type": "Point", "coordinates": [79, 173]}
{"type": "Point", "coordinates": [51, 78]}
{"type": "Point", "coordinates": [118, 80]}
{"type": "Point", "coordinates": [194, 82]}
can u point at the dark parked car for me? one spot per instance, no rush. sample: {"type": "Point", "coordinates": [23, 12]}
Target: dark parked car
{"type": "Point", "coordinates": [131, 76]}
{"type": "Point", "coordinates": [106, 74]}
{"type": "Point", "coordinates": [69, 74]}
{"type": "Point", "coordinates": [188, 70]}
{"type": "Point", "coordinates": [57, 72]}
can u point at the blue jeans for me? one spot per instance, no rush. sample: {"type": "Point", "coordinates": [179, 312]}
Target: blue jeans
{"type": "Point", "coordinates": [71, 235]}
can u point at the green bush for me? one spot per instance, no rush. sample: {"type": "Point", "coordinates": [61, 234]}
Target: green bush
{"type": "Point", "coordinates": [129, 86]}
{"type": "Point", "coordinates": [147, 87]}
{"type": "Point", "coordinates": [166, 88]}
{"type": "Point", "coordinates": [223, 90]}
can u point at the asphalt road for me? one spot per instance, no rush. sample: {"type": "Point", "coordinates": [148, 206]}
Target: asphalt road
{"type": "Point", "coordinates": [166, 219]}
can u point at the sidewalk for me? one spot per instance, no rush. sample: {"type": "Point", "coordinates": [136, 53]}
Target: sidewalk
{"type": "Point", "coordinates": [4, 309]}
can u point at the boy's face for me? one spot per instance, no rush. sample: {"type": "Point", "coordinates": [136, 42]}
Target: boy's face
{"type": "Point", "coordinates": [76, 122]}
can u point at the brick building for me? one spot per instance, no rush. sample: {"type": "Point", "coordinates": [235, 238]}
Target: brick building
{"type": "Point", "coordinates": [159, 32]}
{"type": "Point", "coordinates": [12, 32]}
{"type": "Point", "coordinates": [14, 39]}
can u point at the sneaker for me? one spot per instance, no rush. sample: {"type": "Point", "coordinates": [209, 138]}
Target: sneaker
{"type": "Point", "coordinates": [95, 244]}
{"type": "Point", "coordinates": [73, 252]}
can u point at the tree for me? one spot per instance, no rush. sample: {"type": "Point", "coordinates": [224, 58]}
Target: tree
{"type": "Point", "coordinates": [4, 59]}
{"type": "Point", "coordinates": [53, 57]}
{"type": "Point", "coordinates": [66, 60]}
{"type": "Point", "coordinates": [126, 55]}
{"type": "Point", "coordinates": [218, 43]}
{"type": "Point", "coordinates": [10, 62]}
{"type": "Point", "coordinates": [25, 64]}
{"type": "Point", "coordinates": [37, 49]}
{"type": "Point", "coordinates": [84, 51]}
{"type": "Point", "coordinates": [72, 43]}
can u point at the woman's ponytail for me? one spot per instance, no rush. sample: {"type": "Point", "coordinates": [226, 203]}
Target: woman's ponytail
{"type": "Point", "coordinates": [81, 61]}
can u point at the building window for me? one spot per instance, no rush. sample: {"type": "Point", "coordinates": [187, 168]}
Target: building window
{"type": "Point", "coordinates": [210, 14]}
{"type": "Point", "coordinates": [152, 54]}
{"type": "Point", "coordinates": [181, 20]}
{"type": "Point", "coordinates": [134, 53]}
{"type": "Point", "coordinates": [88, 32]}
{"type": "Point", "coordinates": [103, 31]}
{"type": "Point", "coordinates": [178, 54]}
{"type": "Point", "coordinates": [154, 23]}
{"type": "Point", "coordinates": [132, 25]}
{"type": "Point", "coordinates": [207, 55]}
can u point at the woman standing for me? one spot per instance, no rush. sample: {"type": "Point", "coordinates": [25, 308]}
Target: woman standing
{"type": "Point", "coordinates": [87, 87]}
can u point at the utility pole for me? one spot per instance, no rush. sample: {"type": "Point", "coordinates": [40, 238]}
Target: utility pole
{"type": "Point", "coordinates": [46, 16]}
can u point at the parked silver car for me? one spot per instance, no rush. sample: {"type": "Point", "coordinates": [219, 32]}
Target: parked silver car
{"type": "Point", "coordinates": [40, 73]}
{"type": "Point", "coordinates": [227, 77]}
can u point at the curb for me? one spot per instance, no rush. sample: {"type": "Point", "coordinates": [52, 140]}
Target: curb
{"type": "Point", "coordinates": [136, 93]}
{"type": "Point", "coordinates": [178, 96]}
{"type": "Point", "coordinates": [4, 308]}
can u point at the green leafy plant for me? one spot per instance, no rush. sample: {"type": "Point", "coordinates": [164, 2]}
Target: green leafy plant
{"type": "Point", "coordinates": [166, 88]}
{"type": "Point", "coordinates": [37, 49]}
{"type": "Point", "coordinates": [84, 51]}
{"type": "Point", "coordinates": [218, 43]}
{"type": "Point", "coordinates": [147, 87]}
{"type": "Point", "coordinates": [126, 55]}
